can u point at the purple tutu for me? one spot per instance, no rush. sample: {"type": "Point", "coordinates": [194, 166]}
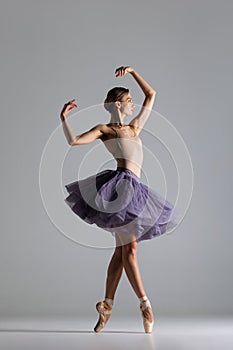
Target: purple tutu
{"type": "Point", "coordinates": [117, 201]}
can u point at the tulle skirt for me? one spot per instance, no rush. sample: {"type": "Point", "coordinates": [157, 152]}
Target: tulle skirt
{"type": "Point", "coordinates": [117, 201]}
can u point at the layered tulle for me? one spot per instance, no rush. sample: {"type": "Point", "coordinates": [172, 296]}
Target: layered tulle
{"type": "Point", "coordinates": [117, 201]}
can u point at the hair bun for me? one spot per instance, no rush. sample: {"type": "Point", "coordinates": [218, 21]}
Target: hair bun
{"type": "Point", "coordinates": [113, 95]}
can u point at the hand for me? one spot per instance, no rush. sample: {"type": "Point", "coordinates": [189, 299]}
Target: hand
{"type": "Point", "coordinates": [67, 108]}
{"type": "Point", "coordinates": [123, 70]}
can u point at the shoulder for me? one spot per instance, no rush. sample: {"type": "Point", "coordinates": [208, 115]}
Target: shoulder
{"type": "Point", "coordinates": [99, 127]}
{"type": "Point", "coordinates": [103, 129]}
{"type": "Point", "coordinates": [135, 128]}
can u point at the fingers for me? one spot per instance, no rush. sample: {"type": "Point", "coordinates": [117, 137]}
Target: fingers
{"type": "Point", "coordinates": [120, 71]}
{"type": "Point", "coordinates": [70, 102]}
{"type": "Point", "coordinates": [69, 106]}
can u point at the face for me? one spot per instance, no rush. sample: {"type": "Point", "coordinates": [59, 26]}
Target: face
{"type": "Point", "coordinates": [127, 105]}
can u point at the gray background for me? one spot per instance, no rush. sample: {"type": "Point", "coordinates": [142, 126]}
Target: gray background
{"type": "Point", "coordinates": [52, 51]}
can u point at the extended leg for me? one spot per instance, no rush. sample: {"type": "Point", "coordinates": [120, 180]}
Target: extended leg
{"type": "Point", "coordinates": [114, 271]}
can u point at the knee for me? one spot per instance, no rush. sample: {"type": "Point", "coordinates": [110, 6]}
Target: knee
{"type": "Point", "coordinates": [129, 250]}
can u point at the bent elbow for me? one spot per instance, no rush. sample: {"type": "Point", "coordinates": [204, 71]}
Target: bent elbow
{"type": "Point", "coordinates": [151, 92]}
{"type": "Point", "coordinates": [74, 142]}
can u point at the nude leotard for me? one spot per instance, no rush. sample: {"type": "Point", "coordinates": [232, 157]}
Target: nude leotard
{"type": "Point", "coordinates": [126, 150]}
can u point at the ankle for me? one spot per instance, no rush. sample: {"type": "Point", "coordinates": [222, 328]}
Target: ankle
{"type": "Point", "coordinates": [144, 298]}
{"type": "Point", "coordinates": [109, 301]}
{"type": "Point", "coordinates": [144, 302]}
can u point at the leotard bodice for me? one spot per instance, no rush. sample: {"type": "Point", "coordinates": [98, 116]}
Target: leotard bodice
{"type": "Point", "coordinates": [126, 148]}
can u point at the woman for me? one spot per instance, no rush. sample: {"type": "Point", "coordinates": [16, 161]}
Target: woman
{"type": "Point", "coordinates": [116, 200]}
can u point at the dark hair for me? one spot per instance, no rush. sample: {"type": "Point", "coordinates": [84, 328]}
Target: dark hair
{"type": "Point", "coordinates": [113, 95]}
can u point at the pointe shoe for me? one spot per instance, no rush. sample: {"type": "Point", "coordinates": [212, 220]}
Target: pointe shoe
{"type": "Point", "coordinates": [147, 315]}
{"type": "Point", "coordinates": [104, 310]}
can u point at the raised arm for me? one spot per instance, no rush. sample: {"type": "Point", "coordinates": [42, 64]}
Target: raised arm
{"type": "Point", "coordinates": [84, 138]}
{"type": "Point", "coordinates": [139, 121]}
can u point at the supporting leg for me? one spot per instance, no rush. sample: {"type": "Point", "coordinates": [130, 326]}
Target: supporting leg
{"type": "Point", "coordinates": [130, 263]}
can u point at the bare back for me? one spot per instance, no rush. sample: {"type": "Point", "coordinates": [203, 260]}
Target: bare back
{"type": "Point", "coordinates": [125, 146]}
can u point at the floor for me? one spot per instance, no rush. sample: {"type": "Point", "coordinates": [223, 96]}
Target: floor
{"type": "Point", "coordinates": [168, 334]}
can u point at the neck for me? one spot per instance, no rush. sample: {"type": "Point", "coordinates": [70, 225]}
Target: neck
{"type": "Point", "coordinates": [117, 123]}
{"type": "Point", "coordinates": [117, 118]}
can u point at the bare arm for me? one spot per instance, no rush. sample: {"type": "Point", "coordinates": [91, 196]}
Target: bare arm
{"type": "Point", "coordinates": [86, 137]}
{"type": "Point", "coordinates": [139, 121]}
{"type": "Point", "coordinates": [146, 88]}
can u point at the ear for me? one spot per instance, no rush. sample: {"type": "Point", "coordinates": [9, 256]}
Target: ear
{"type": "Point", "coordinates": [117, 104]}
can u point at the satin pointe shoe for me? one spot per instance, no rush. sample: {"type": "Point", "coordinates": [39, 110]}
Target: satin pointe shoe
{"type": "Point", "coordinates": [147, 315]}
{"type": "Point", "coordinates": [104, 310]}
